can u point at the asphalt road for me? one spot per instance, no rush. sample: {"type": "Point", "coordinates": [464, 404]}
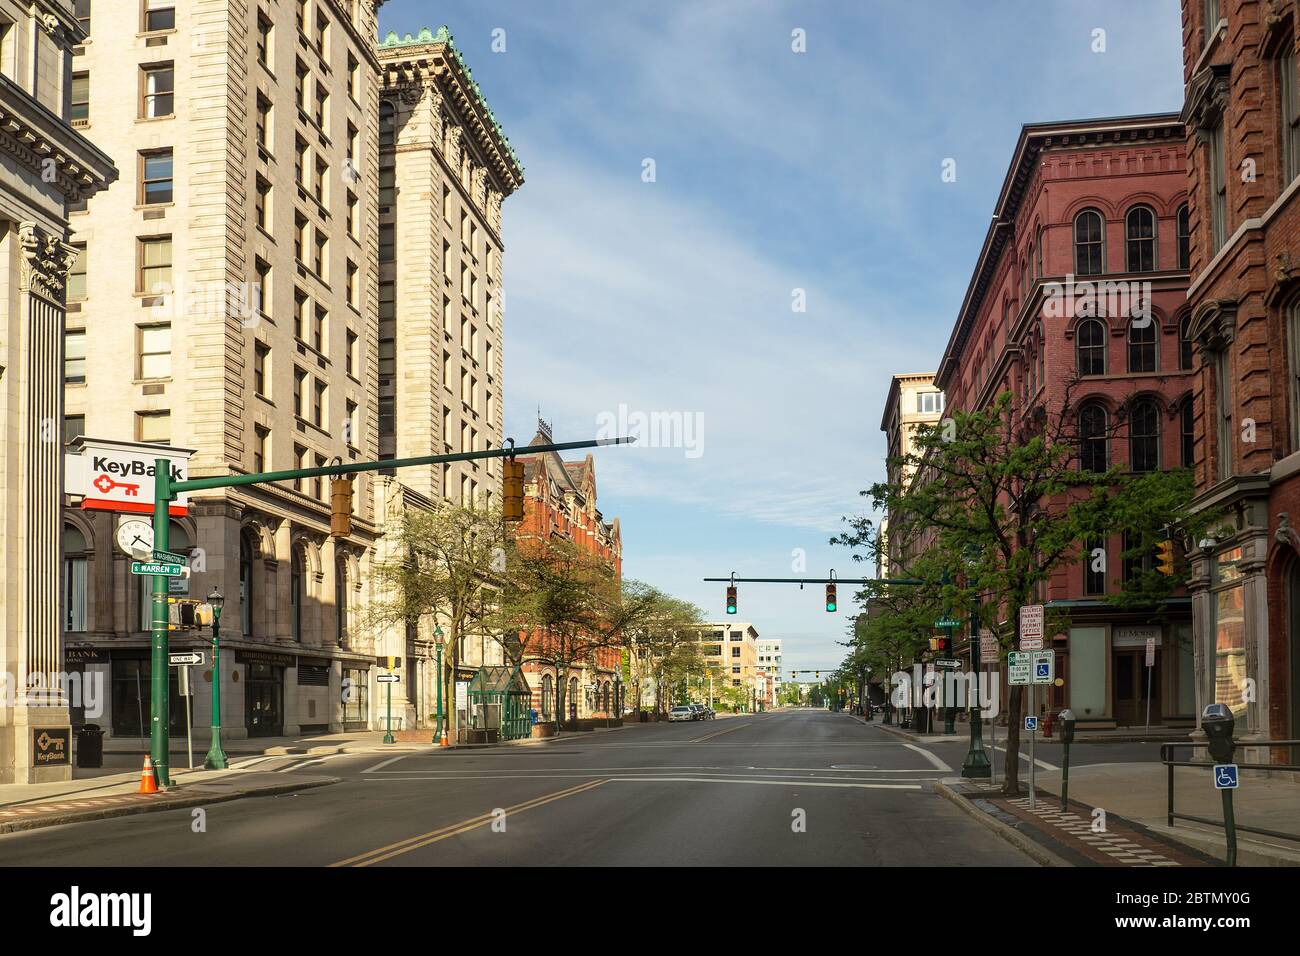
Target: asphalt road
{"type": "Point", "coordinates": [799, 787]}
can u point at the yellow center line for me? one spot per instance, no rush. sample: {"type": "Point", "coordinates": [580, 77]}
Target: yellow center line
{"type": "Point", "coordinates": [433, 836]}
{"type": "Point", "coordinates": [717, 733]}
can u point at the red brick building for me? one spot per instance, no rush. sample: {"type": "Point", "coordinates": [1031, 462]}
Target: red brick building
{"type": "Point", "coordinates": [560, 502]}
{"type": "Point", "coordinates": [1079, 294]}
{"type": "Point", "coordinates": [1242, 114]}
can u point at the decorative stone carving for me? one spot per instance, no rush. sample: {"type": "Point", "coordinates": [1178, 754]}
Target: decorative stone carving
{"type": "Point", "coordinates": [46, 261]}
{"type": "Point", "coordinates": [1213, 324]}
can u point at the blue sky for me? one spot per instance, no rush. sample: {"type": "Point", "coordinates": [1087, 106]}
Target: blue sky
{"type": "Point", "coordinates": [774, 171]}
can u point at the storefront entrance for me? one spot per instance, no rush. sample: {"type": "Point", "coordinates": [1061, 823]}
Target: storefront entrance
{"type": "Point", "coordinates": [1130, 684]}
{"type": "Point", "coordinates": [264, 700]}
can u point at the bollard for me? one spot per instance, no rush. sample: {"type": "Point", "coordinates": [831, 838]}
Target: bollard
{"type": "Point", "coordinates": [1217, 722]}
{"type": "Point", "coordinates": [1067, 737]}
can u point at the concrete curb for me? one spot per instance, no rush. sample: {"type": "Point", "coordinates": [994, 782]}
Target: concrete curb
{"type": "Point", "coordinates": [1026, 845]}
{"type": "Point", "coordinates": [198, 799]}
{"type": "Point", "coordinates": [1078, 738]}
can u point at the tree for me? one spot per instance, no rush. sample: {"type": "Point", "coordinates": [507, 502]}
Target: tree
{"type": "Point", "coordinates": [564, 605]}
{"type": "Point", "coordinates": [442, 566]}
{"type": "Point", "coordinates": [663, 646]}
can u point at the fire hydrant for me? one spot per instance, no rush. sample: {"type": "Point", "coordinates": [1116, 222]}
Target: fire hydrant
{"type": "Point", "coordinates": [1047, 725]}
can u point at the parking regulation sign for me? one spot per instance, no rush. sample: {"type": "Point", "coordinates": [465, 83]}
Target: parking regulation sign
{"type": "Point", "coordinates": [1031, 723]}
{"type": "Point", "coordinates": [1044, 667]}
{"type": "Point", "coordinates": [1019, 668]}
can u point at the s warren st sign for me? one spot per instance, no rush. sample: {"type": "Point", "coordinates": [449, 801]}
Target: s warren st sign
{"type": "Point", "coordinates": [118, 475]}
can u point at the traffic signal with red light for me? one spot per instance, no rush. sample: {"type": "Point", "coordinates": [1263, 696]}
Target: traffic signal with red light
{"type": "Point", "coordinates": [731, 599]}
{"type": "Point", "coordinates": [512, 490]}
{"type": "Point", "coordinates": [830, 599]}
{"type": "Point", "coordinates": [340, 507]}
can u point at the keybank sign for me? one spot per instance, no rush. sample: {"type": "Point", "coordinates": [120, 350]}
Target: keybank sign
{"type": "Point", "coordinates": [119, 476]}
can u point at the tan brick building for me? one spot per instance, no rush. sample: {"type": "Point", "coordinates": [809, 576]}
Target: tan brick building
{"type": "Point", "coordinates": [225, 301]}
{"type": "Point", "coordinates": [48, 166]}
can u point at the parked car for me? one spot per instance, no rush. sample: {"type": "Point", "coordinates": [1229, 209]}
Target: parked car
{"type": "Point", "coordinates": [709, 712]}
{"type": "Point", "coordinates": [701, 712]}
{"type": "Point", "coordinates": [681, 712]}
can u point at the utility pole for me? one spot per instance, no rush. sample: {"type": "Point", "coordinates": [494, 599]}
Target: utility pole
{"type": "Point", "coordinates": [166, 491]}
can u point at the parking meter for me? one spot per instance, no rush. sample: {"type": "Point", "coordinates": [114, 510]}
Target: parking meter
{"type": "Point", "coordinates": [1066, 717]}
{"type": "Point", "coordinates": [1217, 722]}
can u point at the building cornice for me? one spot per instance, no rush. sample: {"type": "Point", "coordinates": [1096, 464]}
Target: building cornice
{"type": "Point", "coordinates": [48, 147]}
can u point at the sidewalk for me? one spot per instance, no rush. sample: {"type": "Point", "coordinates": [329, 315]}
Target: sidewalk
{"type": "Point", "coordinates": [1120, 735]}
{"type": "Point", "coordinates": [116, 793]}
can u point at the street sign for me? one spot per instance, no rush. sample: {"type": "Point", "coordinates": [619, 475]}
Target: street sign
{"type": "Point", "coordinates": [1031, 643]}
{"type": "Point", "coordinates": [1019, 668]}
{"type": "Point", "coordinates": [1031, 621]}
{"type": "Point", "coordinates": [389, 678]}
{"type": "Point", "coordinates": [170, 557]}
{"type": "Point", "coordinates": [947, 664]}
{"type": "Point", "coordinates": [947, 622]}
{"type": "Point", "coordinates": [1151, 652]}
{"type": "Point", "coordinates": [185, 658]}
{"type": "Point", "coordinates": [1031, 723]}
{"type": "Point", "coordinates": [1225, 776]}
{"type": "Point", "coordinates": [1044, 667]}
{"type": "Point", "coordinates": [171, 570]}
{"type": "Point", "coordinates": [988, 646]}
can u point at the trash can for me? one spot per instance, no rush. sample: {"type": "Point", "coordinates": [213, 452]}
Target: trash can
{"type": "Point", "coordinates": [645, 717]}
{"type": "Point", "coordinates": [90, 746]}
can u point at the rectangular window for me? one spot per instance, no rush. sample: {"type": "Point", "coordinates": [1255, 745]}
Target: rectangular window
{"type": "Point", "coordinates": [300, 460]}
{"type": "Point", "coordinates": [319, 318]}
{"type": "Point", "coordinates": [153, 427]}
{"type": "Point", "coordinates": [1223, 410]}
{"type": "Point", "coordinates": [1211, 8]}
{"type": "Point", "coordinates": [263, 122]}
{"type": "Point", "coordinates": [261, 448]}
{"type": "Point", "coordinates": [77, 275]}
{"type": "Point", "coordinates": [322, 108]}
{"type": "Point", "coordinates": [155, 349]}
{"type": "Point", "coordinates": [350, 424]}
{"type": "Point", "coordinates": [354, 79]}
{"type": "Point", "coordinates": [1218, 182]}
{"type": "Point", "coordinates": [155, 265]}
{"type": "Point", "coordinates": [352, 289]}
{"type": "Point", "coordinates": [299, 317]}
{"type": "Point", "coordinates": [299, 391]}
{"type": "Point", "coordinates": [1094, 568]}
{"type": "Point", "coordinates": [319, 183]}
{"type": "Point", "coordinates": [929, 403]}
{"type": "Point", "coordinates": [74, 356]}
{"type": "Point", "coordinates": [321, 256]}
{"type": "Point", "coordinates": [81, 9]}
{"type": "Point", "coordinates": [80, 97]}
{"type": "Point", "coordinates": [262, 203]}
{"type": "Point", "coordinates": [354, 223]}
{"type": "Point", "coordinates": [159, 15]}
{"type": "Point", "coordinates": [157, 90]}
{"type": "Point", "coordinates": [387, 242]}
{"type": "Point", "coordinates": [262, 369]}
{"type": "Point", "coordinates": [387, 184]}
{"type": "Point", "coordinates": [74, 426]}
{"type": "Point", "coordinates": [156, 177]}
{"type": "Point", "coordinates": [351, 359]}
{"type": "Point", "coordinates": [299, 237]}
{"type": "Point", "coordinates": [1289, 102]}
{"type": "Point", "coordinates": [318, 404]}
{"type": "Point", "coordinates": [264, 39]}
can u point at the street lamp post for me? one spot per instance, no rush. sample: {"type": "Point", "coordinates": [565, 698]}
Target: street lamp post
{"type": "Point", "coordinates": [216, 758]}
{"type": "Point", "coordinates": [976, 765]}
{"type": "Point", "coordinates": [439, 732]}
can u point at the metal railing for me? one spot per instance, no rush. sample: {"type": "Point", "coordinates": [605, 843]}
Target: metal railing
{"type": "Point", "coordinates": [1166, 757]}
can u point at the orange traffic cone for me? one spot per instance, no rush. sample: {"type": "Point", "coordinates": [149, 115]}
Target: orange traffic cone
{"type": "Point", "coordinates": [148, 778]}
{"type": "Point", "coordinates": [444, 742]}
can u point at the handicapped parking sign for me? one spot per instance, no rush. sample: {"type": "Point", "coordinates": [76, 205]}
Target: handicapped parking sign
{"type": "Point", "coordinates": [1225, 776]}
{"type": "Point", "coordinates": [1031, 723]}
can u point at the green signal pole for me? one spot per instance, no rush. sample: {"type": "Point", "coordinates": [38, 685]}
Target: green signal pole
{"type": "Point", "coordinates": [166, 491]}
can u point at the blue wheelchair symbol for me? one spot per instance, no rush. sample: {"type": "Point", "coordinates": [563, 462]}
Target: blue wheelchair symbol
{"type": "Point", "coordinates": [1031, 723]}
{"type": "Point", "coordinates": [1043, 669]}
{"type": "Point", "coordinates": [1225, 776]}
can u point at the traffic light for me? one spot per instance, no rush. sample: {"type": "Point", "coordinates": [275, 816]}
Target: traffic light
{"type": "Point", "coordinates": [340, 507]}
{"type": "Point", "coordinates": [1165, 552]}
{"type": "Point", "coordinates": [940, 644]}
{"type": "Point", "coordinates": [731, 599]}
{"type": "Point", "coordinates": [830, 599]}
{"type": "Point", "coordinates": [512, 490]}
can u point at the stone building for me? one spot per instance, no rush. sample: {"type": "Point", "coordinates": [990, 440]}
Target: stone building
{"type": "Point", "coordinates": [445, 166]}
{"type": "Point", "coordinates": [225, 300]}
{"type": "Point", "coordinates": [1242, 115]}
{"type": "Point", "coordinates": [1077, 307]}
{"type": "Point", "coordinates": [48, 167]}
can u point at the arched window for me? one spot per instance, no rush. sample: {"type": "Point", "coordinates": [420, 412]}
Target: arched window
{"type": "Point", "coordinates": [1142, 344]}
{"type": "Point", "coordinates": [1184, 238]}
{"type": "Point", "coordinates": [75, 565]}
{"type": "Point", "coordinates": [1038, 245]}
{"type": "Point", "coordinates": [1092, 437]}
{"type": "Point", "coordinates": [297, 568]}
{"type": "Point", "coordinates": [1091, 338]}
{"type": "Point", "coordinates": [1144, 436]}
{"type": "Point", "coordinates": [548, 696]}
{"type": "Point", "coordinates": [1140, 239]}
{"type": "Point", "coordinates": [1184, 343]}
{"type": "Point", "coordinates": [341, 600]}
{"type": "Point", "coordinates": [246, 553]}
{"type": "Point", "coordinates": [1187, 427]}
{"type": "Point", "coordinates": [1089, 244]}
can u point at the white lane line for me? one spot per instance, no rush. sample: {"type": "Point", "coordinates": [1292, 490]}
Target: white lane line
{"type": "Point", "coordinates": [938, 764]}
{"type": "Point", "coordinates": [1024, 756]}
{"type": "Point", "coordinates": [733, 769]}
{"type": "Point", "coordinates": [801, 782]}
{"type": "Point", "coordinates": [385, 763]}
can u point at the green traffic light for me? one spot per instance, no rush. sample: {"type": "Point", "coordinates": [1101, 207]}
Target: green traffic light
{"type": "Point", "coordinates": [830, 606]}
